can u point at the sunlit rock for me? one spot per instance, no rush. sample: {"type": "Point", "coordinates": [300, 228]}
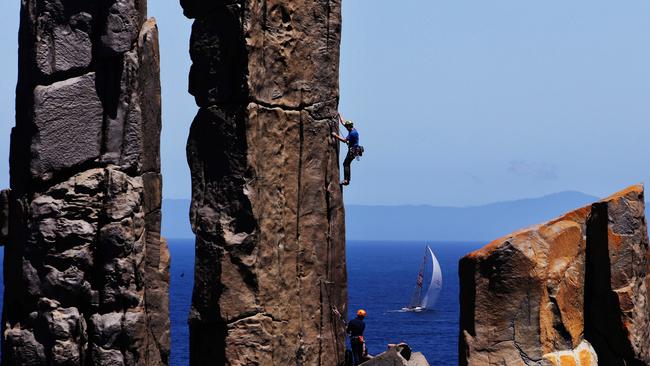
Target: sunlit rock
{"type": "Point", "coordinates": [572, 288]}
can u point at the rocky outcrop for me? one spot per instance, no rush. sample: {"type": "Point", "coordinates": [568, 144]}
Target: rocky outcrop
{"type": "Point", "coordinates": [398, 355]}
{"type": "Point", "coordinates": [572, 291]}
{"type": "Point", "coordinates": [270, 280]}
{"type": "Point", "coordinates": [85, 268]}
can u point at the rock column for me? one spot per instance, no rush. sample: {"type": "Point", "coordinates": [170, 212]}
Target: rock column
{"type": "Point", "coordinates": [270, 279]}
{"type": "Point", "coordinates": [572, 291]}
{"type": "Point", "coordinates": [86, 271]}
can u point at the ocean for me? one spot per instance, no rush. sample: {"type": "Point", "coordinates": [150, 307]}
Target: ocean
{"type": "Point", "coordinates": [381, 277]}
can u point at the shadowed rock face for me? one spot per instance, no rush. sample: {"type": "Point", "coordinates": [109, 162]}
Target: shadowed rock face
{"type": "Point", "coordinates": [86, 271]}
{"type": "Point", "coordinates": [270, 280]}
{"type": "Point", "coordinates": [572, 291]}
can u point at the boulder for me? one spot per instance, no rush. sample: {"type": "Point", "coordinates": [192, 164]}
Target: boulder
{"type": "Point", "coordinates": [574, 288]}
{"type": "Point", "coordinates": [68, 111]}
{"type": "Point", "coordinates": [398, 355]}
{"type": "Point", "coordinates": [122, 25]}
{"type": "Point", "coordinates": [60, 36]}
{"type": "Point", "coordinates": [22, 348]}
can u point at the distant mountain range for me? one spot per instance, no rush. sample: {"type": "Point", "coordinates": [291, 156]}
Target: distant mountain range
{"type": "Point", "coordinates": [422, 222]}
{"type": "Point", "coordinates": [476, 223]}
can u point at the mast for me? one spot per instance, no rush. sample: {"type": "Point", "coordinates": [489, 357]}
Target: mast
{"type": "Point", "coordinates": [416, 298]}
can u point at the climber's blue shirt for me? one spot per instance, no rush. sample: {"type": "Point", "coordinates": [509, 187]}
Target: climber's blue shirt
{"type": "Point", "coordinates": [353, 138]}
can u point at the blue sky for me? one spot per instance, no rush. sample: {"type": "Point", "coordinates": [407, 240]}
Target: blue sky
{"type": "Point", "coordinates": [457, 102]}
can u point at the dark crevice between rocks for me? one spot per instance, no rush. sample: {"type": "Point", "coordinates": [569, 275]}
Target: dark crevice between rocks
{"type": "Point", "coordinates": [299, 276]}
{"type": "Point", "coordinates": [320, 320]}
{"type": "Point", "coordinates": [108, 81]}
{"type": "Point", "coordinates": [208, 330]}
{"type": "Point", "coordinates": [558, 325]}
{"type": "Point", "coordinates": [301, 146]}
{"type": "Point", "coordinates": [61, 175]}
{"type": "Point", "coordinates": [466, 271]}
{"type": "Point", "coordinates": [46, 80]}
{"type": "Point", "coordinates": [524, 356]}
{"type": "Point", "coordinates": [298, 108]}
{"type": "Point", "coordinates": [265, 20]}
{"type": "Point", "coordinates": [207, 343]}
{"type": "Point", "coordinates": [327, 32]}
{"type": "Point", "coordinates": [603, 325]}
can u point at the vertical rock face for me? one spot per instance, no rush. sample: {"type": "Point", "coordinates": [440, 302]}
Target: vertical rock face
{"type": "Point", "coordinates": [270, 280]}
{"type": "Point", "coordinates": [86, 271]}
{"type": "Point", "coordinates": [572, 291]}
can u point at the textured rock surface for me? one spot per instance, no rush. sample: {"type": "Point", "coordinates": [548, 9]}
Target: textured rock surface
{"type": "Point", "coordinates": [270, 280]}
{"type": "Point", "coordinates": [86, 271]}
{"type": "Point", "coordinates": [68, 118]}
{"type": "Point", "coordinates": [398, 355]}
{"type": "Point", "coordinates": [572, 291]}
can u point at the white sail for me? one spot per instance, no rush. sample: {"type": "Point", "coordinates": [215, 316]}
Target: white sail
{"type": "Point", "coordinates": [435, 285]}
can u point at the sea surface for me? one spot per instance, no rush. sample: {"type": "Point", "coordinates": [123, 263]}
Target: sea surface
{"type": "Point", "coordinates": [381, 278]}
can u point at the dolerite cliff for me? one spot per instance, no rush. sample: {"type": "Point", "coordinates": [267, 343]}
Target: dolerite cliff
{"type": "Point", "coordinates": [270, 280]}
{"type": "Point", "coordinates": [85, 268]}
{"type": "Point", "coordinates": [572, 291]}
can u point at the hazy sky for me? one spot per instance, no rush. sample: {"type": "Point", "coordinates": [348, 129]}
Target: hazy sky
{"type": "Point", "coordinates": [457, 102]}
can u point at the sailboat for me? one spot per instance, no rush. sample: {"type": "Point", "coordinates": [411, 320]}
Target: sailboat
{"type": "Point", "coordinates": [426, 301]}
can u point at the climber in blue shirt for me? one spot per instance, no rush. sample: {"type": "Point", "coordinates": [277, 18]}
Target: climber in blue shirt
{"type": "Point", "coordinates": [354, 150]}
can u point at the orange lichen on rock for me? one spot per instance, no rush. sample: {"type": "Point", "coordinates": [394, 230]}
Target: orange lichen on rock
{"type": "Point", "coordinates": [561, 286]}
{"type": "Point", "coordinates": [586, 358]}
{"type": "Point", "coordinates": [582, 355]}
{"type": "Point", "coordinates": [567, 360]}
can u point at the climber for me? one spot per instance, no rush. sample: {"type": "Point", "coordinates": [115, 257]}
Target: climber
{"type": "Point", "coordinates": [354, 150]}
{"type": "Point", "coordinates": [355, 330]}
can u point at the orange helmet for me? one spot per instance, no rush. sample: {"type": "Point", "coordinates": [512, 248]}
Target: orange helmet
{"type": "Point", "coordinates": [361, 312]}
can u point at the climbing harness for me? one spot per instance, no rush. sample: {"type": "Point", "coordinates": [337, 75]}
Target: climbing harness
{"type": "Point", "coordinates": [357, 152]}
